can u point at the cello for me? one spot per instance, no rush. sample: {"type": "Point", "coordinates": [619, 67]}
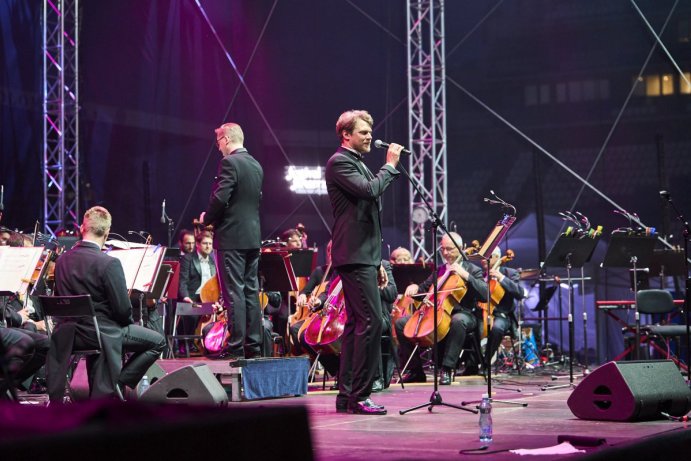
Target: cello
{"type": "Point", "coordinates": [496, 290]}
{"type": "Point", "coordinates": [325, 330]}
{"type": "Point", "coordinates": [420, 326]}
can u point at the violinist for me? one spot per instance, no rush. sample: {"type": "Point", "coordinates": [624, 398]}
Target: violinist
{"type": "Point", "coordinates": [5, 234]}
{"type": "Point", "coordinates": [504, 319]}
{"type": "Point", "coordinates": [196, 268]}
{"type": "Point", "coordinates": [464, 316]}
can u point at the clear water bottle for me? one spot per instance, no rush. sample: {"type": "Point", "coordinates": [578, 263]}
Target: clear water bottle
{"type": "Point", "coordinates": [143, 386]}
{"type": "Point", "coordinates": [485, 419]}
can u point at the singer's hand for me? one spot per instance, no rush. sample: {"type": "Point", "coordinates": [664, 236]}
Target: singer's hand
{"type": "Point", "coordinates": [393, 155]}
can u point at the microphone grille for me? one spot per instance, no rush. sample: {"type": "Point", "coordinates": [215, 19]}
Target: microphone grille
{"type": "Point", "coordinates": [378, 143]}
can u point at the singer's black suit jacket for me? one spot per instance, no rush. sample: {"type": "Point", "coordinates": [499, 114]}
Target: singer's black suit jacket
{"type": "Point", "coordinates": [234, 203]}
{"type": "Point", "coordinates": [354, 193]}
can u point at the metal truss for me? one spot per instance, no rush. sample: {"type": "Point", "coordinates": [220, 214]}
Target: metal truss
{"type": "Point", "coordinates": [60, 114]}
{"type": "Point", "coordinates": [426, 118]}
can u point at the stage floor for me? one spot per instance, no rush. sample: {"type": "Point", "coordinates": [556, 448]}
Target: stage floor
{"type": "Point", "coordinates": [441, 433]}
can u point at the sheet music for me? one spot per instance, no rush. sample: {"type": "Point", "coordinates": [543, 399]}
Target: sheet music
{"type": "Point", "coordinates": [150, 264]}
{"type": "Point", "coordinates": [17, 266]}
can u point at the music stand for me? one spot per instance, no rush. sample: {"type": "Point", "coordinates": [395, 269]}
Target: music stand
{"type": "Point", "coordinates": [631, 251]}
{"type": "Point", "coordinates": [303, 260]}
{"type": "Point", "coordinates": [407, 274]}
{"type": "Point", "coordinates": [276, 270]}
{"type": "Point", "coordinates": [667, 263]}
{"type": "Point", "coordinates": [570, 252]}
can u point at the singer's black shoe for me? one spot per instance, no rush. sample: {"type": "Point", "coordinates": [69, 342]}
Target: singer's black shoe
{"type": "Point", "coordinates": [341, 406]}
{"type": "Point", "coordinates": [445, 378]}
{"type": "Point", "coordinates": [367, 407]}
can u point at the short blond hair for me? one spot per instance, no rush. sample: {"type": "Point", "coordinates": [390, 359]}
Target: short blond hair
{"type": "Point", "coordinates": [233, 131]}
{"type": "Point", "coordinates": [346, 122]}
{"type": "Point", "coordinates": [97, 221]}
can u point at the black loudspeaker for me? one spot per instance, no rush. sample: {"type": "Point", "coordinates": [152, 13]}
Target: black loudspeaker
{"type": "Point", "coordinates": [193, 384]}
{"type": "Point", "coordinates": [631, 391]}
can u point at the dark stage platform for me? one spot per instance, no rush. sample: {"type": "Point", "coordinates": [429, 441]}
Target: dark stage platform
{"type": "Point", "coordinates": [443, 432]}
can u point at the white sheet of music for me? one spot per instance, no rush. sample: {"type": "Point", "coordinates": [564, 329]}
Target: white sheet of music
{"type": "Point", "coordinates": [149, 257]}
{"type": "Point", "coordinates": [17, 265]}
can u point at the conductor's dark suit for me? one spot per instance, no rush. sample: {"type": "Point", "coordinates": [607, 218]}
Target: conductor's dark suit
{"type": "Point", "coordinates": [356, 253]}
{"type": "Point", "coordinates": [234, 212]}
{"type": "Point", "coordinates": [86, 270]}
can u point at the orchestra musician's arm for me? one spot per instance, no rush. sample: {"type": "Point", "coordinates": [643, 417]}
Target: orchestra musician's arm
{"type": "Point", "coordinates": [185, 267]}
{"type": "Point", "coordinates": [223, 189]}
{"type": "Point", "coordinates": [389, 293]}
{"type": "Point", "coordinates": [472, 274]}
{"type": "Point", "coordinates": [509, 281]}
{"type": "Point", "coordinates": [116, 291]}
{"type": "Point", "coordinates": [313, 281]}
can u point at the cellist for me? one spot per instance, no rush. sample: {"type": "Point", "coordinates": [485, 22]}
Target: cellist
{"type": "Point", "coordinates": [503, 315]}
{"type": "Point", "coordinates": [464, 317]}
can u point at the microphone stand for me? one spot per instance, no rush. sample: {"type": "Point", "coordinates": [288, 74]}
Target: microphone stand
{"type": "Point", "coordinates": [687, 280]}
{"type": "Point", "coordinates": [171, 226]}
{"type": "Point", "coordinates": [435, 399]}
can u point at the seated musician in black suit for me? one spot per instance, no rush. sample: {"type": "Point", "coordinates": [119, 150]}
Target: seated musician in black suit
{"type": "Point", "coordinates": [85, 269]}
{"type": "Point", "coordinates": [503, 316]}
{"type": "Point", "coordinates": [465, 315]}
{"type": "Point", "coordinates": [196, 268]}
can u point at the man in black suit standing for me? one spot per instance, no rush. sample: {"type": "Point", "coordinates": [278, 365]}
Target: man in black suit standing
{"type": "Point", "coordinates": [354, 192]}
{"type": "Point", "coordinates": [234, 212]}
{"type": "Point", "coordinates": [86, 270]}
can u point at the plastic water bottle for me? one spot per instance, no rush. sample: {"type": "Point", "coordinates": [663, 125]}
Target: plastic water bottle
{"type": "Point", "coordinates": [485, 419]}
{"type": "Point", "coordinates": [144, 386]}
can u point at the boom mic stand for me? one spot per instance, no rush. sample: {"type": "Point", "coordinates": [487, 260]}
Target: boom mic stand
{"type": "Point", "coordinates": [435, 398]}
{"type": "Point", "coordinates": [687, 281]}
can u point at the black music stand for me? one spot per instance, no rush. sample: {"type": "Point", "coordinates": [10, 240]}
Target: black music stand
{"type": "Point", "coordinates": [570, 252]}
{"type": "Point", "coordinates": [303, 260]}
{"type": "Point", "coordinates": [407, 274]}
{"type": "Point", "coordinates": [667, 263]}
{"type": "Point", "coordinates": [631, 251]}
{"type": "Point", "coordinates": [276, 271]}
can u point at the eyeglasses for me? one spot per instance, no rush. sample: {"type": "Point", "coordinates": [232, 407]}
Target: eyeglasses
{"type": "Point", "coordinates": [447, 249]}
{"type": "Point", "coordinates": [218, 141]}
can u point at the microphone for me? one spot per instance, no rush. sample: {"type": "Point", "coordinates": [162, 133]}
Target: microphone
{"type": "Point", "coordinates": [663, 193]}
{"type": "Point", "coordinates": [379, 144]}
{"type": "Point", "coordinates": [2, 197]}
{"type": "Point", "coordinates": [163, 211]}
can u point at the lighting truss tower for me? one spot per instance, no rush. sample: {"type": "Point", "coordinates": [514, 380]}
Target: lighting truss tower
{"type": "Point", "coordinates": [60, 114]}
{"type": "Point", "coordinates": [426, 118]}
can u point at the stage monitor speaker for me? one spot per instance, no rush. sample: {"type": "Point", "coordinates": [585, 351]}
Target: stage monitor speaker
{"type": "Point", "coordinates": [192, 385]}
{"type": "Point", "coordinates": [631, 391]}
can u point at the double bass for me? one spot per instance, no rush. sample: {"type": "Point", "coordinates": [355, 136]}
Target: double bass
{"type": "Point", "coordinates": [324, 332]}
{"type": "Point", "coordinates": [420, 327]}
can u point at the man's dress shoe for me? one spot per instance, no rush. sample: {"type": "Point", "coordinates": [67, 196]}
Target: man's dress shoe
{"type": "Point", "coordinates": [414, 377]}
{"type": "Point", "coordinates": [367, 407]}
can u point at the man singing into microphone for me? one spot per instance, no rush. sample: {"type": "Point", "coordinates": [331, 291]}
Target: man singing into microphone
{"type": "Point", "coordinates": [354, 192]}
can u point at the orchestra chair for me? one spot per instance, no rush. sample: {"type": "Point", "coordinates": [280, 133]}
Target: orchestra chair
{"type": "Point", "coordinates": [473, 346]}
{"type": "Point", "coordinates": [657, 302]}
{"type": "Point", "coordinates": [71, 309]}
{"type": "Point", "coordinates": [192, 310]}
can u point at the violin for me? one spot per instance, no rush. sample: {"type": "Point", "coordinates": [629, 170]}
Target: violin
{"type": "Point", "coordinates": [325, 331]}
{"type": "Point", "coordinates": [496, 290]}
{"type": "Point", "coordinates": [420, 327]}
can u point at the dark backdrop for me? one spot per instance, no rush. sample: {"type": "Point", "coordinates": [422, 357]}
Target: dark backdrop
{"type": "Point", "coordinates": [155, 82]}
